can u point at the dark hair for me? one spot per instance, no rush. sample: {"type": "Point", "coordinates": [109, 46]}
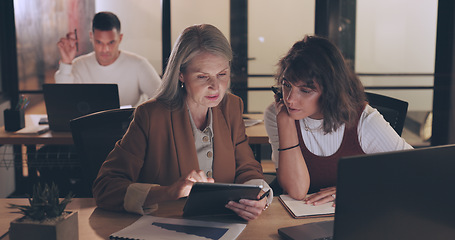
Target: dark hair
{"type": "Point", "coordinates": [105, 21]}
{"type": "Point", "coordinates": [316, 60]}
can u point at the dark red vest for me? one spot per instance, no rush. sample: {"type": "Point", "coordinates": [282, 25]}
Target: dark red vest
{"type": "Point", "coordinates": [323, 170]}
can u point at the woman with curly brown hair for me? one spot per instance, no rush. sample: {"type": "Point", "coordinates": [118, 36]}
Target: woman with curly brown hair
{"type": "Point", "coordinates": [321, 116]}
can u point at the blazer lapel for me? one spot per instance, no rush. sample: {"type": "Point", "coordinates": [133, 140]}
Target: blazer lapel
{"type": "Point", "coordinates": [184, 141]}
{"type": "Point", "coordinates": [223, 149]}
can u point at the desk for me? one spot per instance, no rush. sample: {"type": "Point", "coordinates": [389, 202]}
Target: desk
{"type": "Point", "coordinates": [54, 138]}
{"type": "Point", "coordinates": [256, 135]}
{"type": "Point", "coordinates": [25, 146]}
{"type": "Point", "coordinates": [96, 223]}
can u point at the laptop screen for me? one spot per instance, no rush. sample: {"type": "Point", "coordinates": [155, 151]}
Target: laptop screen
{"type": "Point", "coordinates": [397, 195]}
{"type": "Point", "coordinates": [68, 101]}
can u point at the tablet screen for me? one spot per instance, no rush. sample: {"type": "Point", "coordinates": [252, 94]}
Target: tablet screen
{"type": "Point", "coordinates": [211, 198]}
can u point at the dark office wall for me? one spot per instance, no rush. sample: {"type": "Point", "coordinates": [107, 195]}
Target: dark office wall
{"type": "Point", "coordinates": [239, 43]}
{"type": "Point", "coordinates": [0, 66]}
{"type": "Point", "coordinates": [8, 60]}
{"type": "Point", "coordinates": [444, 80]}
{"type": "Point", "coordinates": [335, 19]}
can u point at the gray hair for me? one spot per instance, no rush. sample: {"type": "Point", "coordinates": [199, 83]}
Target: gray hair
{"type": "Point", "coordinates": [192, 41]}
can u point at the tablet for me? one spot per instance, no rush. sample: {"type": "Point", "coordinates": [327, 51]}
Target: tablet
{"type": "Point", "coordinates": [211, 198]}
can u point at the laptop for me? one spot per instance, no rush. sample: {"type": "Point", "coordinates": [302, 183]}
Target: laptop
{"type": "Point", "coordinates": [68, 101]}
{"type": "Point", "coordinates": [397, 195]}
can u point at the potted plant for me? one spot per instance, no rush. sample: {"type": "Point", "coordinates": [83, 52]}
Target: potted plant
{"type": "Point", "coordinates": [45, 217]}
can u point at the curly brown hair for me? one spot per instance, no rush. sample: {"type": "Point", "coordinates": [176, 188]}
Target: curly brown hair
{"type": "Point", "coordinates": [316, 60]}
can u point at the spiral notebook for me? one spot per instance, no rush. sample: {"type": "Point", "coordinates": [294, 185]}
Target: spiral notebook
{"type": "Point", "coordinates": [150, 227]}
{"type": "Point", "coordinates": [299, 209]}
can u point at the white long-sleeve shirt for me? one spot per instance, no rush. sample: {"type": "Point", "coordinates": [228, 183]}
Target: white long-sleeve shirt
{"type": "Point", "coordinates": [374, 132]}
{"type": "Point", "coordinates": [136, 78]}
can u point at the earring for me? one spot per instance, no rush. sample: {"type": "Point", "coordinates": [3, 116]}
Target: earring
{"type": "Point", "coordinates": [181, 85]}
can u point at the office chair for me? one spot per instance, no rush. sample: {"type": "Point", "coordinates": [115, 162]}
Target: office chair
{"type": "Point", "coordinates": [393, 110]}
{"type": "Point", "coordinates": [94, 136]}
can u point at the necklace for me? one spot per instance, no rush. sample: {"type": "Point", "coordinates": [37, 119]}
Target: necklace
{"type": "Point", "coordinates": [308, 128]}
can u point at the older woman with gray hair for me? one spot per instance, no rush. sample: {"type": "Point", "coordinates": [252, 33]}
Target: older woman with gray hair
{"type": "Point", "coordinates": [192, 132]}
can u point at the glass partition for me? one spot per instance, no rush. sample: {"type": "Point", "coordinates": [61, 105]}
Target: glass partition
{"type": "Point", "coordinates": [395, 54]}
{"type": "Point", "coordinates": [273, 27]}
{"type": "Point", "coordinates": [141, 27]}
{"type": "Point", "coordinates": [185, 13]}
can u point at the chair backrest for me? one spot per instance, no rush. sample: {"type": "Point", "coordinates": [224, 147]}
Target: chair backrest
{"type": "Point", "coordinates": [94, 136]}
{"type": "Point", "coordinates": [393, 110]}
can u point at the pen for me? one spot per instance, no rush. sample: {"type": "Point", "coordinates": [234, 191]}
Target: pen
{"type": "Point", "coordinates": [19, 104]}
{"type": "Point", "coordinates": [277, 91]}
{"type": "Point", "coordinates": [75, 35]}
{"type": "Point", "coordinates": [25, 104]}
{"type": "Point", "coordinates": [22, 103]}
{"type": "Point", "coordinates": [264, 195]}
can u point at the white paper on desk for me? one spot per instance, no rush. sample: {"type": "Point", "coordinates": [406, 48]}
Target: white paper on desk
{"type": "Point", "coordinates": [150, 227]}
{"type": "Point", "coordinates": [251, 122]}
{"type": "Point", "coordinates": [33, 119]}
{"type": "Point", "coordinates": [33, 130]}
{"type": "Point", "coordinates": [300, 208]}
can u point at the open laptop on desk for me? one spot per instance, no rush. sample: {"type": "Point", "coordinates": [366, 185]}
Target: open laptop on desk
{"type": "Point", "coordinates": [397, 195]}
{"type": "Point", "coordinates": [68, 101]}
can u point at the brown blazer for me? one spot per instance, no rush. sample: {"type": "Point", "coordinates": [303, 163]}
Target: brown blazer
{"type": "Point", "coordinates": [159, 148]}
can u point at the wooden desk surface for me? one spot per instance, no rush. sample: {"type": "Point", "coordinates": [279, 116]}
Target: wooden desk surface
{"type": "Point", "coordinates": [96, 223]}
{"type": "Point", "coordinates": [256, 135]}
{"type": "Point", "coordinates": [57, 138]}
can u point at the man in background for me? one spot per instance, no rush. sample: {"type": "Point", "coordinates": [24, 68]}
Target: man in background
{"type": "Point", "coordinates": [136, 78]}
